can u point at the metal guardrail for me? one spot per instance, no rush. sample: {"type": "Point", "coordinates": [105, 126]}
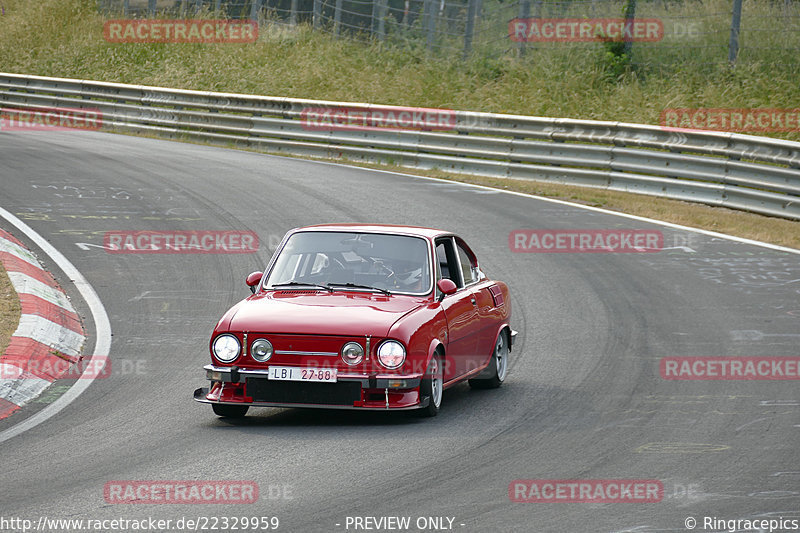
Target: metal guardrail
{"type": "Point", "coordinates": [750, 173]}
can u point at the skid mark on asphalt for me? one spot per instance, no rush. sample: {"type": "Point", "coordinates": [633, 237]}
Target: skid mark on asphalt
{"type": "Point", "coordinates": [779, 403]}
{"type": "Point", "coordinates": [177, 295]}
{"type": "Point", "coordinates": [757, 335]}
{"type": "Point", "coordinates": [681, 447]}
{"type": "Point", "coordinates": [752, 422]}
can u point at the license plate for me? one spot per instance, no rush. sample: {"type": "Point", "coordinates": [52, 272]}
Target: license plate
{"type": "Point", "coordinates": [292, 373]}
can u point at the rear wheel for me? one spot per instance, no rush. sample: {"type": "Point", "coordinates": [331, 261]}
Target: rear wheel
{"type": "Point", "coordinates": [432, 386]}
{"type": "Point", "coordinates": [498, 365]}
{"type": "Point", "coordinates": [229, 411]}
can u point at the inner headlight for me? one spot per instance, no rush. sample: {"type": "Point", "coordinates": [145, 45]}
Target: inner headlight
{"type": "Point", "coordinates": [261, 350]}
{"type": "Point", "coordinates": [226, 348]}
{"type": "Point", "coordinates": [391, 354]}
{"type": "Point", "coordinates": [352, 353]}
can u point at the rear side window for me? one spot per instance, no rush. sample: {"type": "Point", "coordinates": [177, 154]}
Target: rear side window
{"type": "Point", "coordinates": [469, 267]}
{"type": "Point", "coordinates": [441, 259]}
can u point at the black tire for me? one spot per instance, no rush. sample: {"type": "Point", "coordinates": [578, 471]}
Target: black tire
{"type": "Point", "coordinates": [431, 387]}
{"type": "Point", "coordinates": [498, 366]}
{"type": "Point", "coordinates": [229, 411]}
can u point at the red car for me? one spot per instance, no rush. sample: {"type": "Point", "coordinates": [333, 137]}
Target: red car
{"type": "Point", "coordinates": [361, 317]}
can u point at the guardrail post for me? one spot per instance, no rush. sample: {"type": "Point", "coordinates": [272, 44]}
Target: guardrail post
{"type": "Point", "coordinates": [523, 13]}
{"type": "Point", "coordinates": [337, 18]}
{"type": "Point", "coordinates": [470, 27]}
{"type": "Point", "coordinates": [736, 21]}
{"type": "Point", "coordinates": [151, 7]}
{"type": "Point", "coordinates": [293, 13]}
{"type": "Point", "coordinates": [316, 17]}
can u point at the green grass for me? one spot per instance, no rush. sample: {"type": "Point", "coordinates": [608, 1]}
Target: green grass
{"type": "Point", "coordinates": [9, 310]}
{"type": "Point", "coordinates": [64, 38]}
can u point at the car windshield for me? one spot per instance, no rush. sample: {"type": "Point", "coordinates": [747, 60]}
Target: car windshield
{"type": "Point", "coordinates": [353, 261]}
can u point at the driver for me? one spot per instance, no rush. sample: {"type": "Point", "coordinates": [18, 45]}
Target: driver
{"type": "Point", "coordinates": [411, 281]}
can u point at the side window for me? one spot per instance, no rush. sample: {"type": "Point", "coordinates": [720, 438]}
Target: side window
{"type": "Point", "coordinates": [448, 261]}
{"type": "Point", "coordinates": [441, 259]}
{"type": "Point", "coordinates": [469, 267]}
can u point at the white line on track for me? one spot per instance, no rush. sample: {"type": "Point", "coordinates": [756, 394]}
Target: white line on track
{"type": "Point", "coordinates": [102, 329]}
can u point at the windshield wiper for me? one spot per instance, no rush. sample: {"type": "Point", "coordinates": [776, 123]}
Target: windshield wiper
{"type": "Point", "coordinates": [302, 284]}
{"type": "Point", "coordinates": [356, 286]}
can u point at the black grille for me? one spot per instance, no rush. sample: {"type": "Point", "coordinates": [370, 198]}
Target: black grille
{"type": "Point", "coordinates": [340, 393]}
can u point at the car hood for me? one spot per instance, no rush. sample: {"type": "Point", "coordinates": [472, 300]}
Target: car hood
{"type": "Point", "coordinates": [308, 313]}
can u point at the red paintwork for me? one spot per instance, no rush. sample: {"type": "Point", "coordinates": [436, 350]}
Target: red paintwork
{"type": "Point", "coordinates": [322, 313]}
{"type": "Point", "coordinates": [318, 321]}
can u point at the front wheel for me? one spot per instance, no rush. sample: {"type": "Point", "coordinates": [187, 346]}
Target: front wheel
{"type": "Point", "coordinates": [498, 365]}
{"type": "Point", "coordinates": [432, 387]}
{"type": "Point", "coordinates": [229, 411]}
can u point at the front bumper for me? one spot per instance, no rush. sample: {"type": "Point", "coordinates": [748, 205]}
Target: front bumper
{"type": "Point", "coordinates": [239, 386]}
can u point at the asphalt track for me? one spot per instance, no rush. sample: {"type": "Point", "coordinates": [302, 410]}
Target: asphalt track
{"type": "Point", "coordinates": [584, 398]}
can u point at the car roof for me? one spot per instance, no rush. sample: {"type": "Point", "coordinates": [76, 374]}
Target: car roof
{"type": "Point", "coordinates": [429, 233]}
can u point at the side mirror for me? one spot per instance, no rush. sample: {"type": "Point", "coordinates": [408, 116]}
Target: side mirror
{"type": "Point", "coordinates": [446, 287]}
{"type": "Point", "coordinates": [253, 279]}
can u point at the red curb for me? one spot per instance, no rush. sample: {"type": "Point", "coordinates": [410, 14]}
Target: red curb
{"type": "Point", "coordinates": [33, 305]}
{"type": "Point", "coordinates": [12, 263]}
{"type": "Point", "coordinates": [7, 236]}
{"type": "Point", "coordinates": [34, 358]}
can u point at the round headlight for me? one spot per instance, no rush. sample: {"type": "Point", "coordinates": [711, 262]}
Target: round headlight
{"type": "Point", "coordinates": [352, 353]}
{"type": "Point", "coordinates": [391, 354]}
{"type": "Point", "coordinates": [261, 350]}
{"type": "Point", "coordinates": [226, 348]}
